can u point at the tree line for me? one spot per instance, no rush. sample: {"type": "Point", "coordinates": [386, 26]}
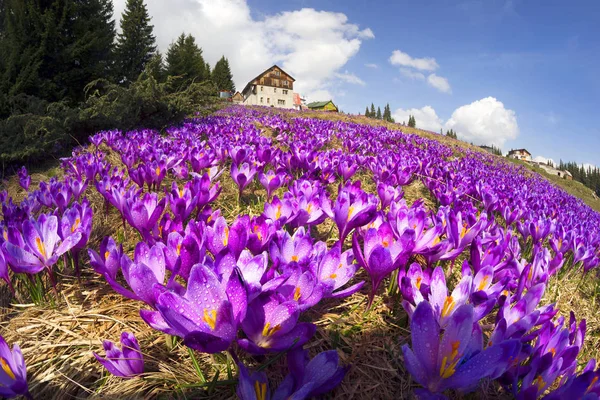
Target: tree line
{"type": "Point", "coordinates": [590, 177]}
{"type": "Point", "coordinates": [66, 73]}
{"type": "Point", "coordinates": [385, 116]}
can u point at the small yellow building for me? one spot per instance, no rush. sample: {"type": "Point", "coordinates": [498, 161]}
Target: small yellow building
{"type": "Point", "coordinates": [323, 106]}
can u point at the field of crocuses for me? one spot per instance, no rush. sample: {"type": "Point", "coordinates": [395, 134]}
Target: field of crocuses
{"type": "Point", "coordinates": [233, 236]}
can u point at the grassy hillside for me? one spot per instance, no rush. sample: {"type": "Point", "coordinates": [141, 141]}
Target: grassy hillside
{"type": "Point", "coordinates": [369, 339]}
{"type": "Point", "coordinates": [574, 188]}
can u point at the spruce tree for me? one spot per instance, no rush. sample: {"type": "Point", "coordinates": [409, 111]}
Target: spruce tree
{"type": "Point", "coordinates": [222, 77]}
{"type": "Point", "coordinates": [372, 113]}
{"type": "Point", "coordinates": [52, 49]}
{"type": "Point", "coordinates": [379, 113]}
{"type": "Point", "coordinates": [136, 43]}
{"type": "Point", "coordinates": [367, 113]}
{"type": "Point", "coordinates": [207, 71]}
{"type": "Point", "coordinates": [412, 122]}
{"type": "Point", "coordinates": [184, 59]}
{"type": "Point", "coordinates": [387, 113]}
{"type": "Point", "coordinates": [155, 67]}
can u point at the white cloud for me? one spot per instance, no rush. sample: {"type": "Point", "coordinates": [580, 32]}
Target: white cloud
{"type": "Point", "coordinates": [366, 34]}
{"type": "Point", "coordinates": [404, 60]}
{"type": "Point", "coordinates": [484, 121]}
{"type": "Point", "coordinates": [544, 160]}
{"type": "Point", "coordinates": [370, 65]}
{"type": "Point", "coordinates": [310, 45]}
{"type": "Point", "coordinates": [409, 73]}
{"type": "Point", "coordinates": [439, 83]}
{"type": "Point", "coordinates": [411, 68]}
{"type": "Point", "coordinates": [425, 117]}
{"type": "Point", "coordinates": [350, 78]}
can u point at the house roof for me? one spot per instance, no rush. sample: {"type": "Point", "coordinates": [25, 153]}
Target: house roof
{"type": "Point", "coordinates": [317, 104]}
{"type": "Point", "coordinates": [518, 151]}
{"type": "Point", "coordinates": [264, 72]}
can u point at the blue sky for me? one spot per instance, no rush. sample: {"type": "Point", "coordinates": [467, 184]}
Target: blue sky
{"type": "Point", "coordinates": [539, 58]}
{"type": "Point", "coordinates": [518, 73]}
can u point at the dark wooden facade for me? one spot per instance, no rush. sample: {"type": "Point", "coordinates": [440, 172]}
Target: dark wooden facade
{"type": "Point", "coordinates": [274, 77]}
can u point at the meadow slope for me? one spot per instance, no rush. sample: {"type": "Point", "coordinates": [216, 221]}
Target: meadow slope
{"type": "Point", "coordinates": [284, 194]}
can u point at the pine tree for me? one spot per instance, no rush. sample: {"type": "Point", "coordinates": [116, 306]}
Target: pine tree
{"type": "Point", "coordinates": [222, 77]}
{"type": "Point", "coordinates": [155, 67]}
{"type": "Point", "coordinates": [387, 113]}
{"type": "Point", "coordinates": [184, 59]}
{"type": "Point", "coordinates": [372, 113]}
{"type": "Point", "coordinates": [207, 70]}
{"type": "Point", "coordinates": [379, 113]}
{"type": "Point", "coordinates": [367, 113]}
{"type": "Point", "coordinates": [52, 49]}
{"type": "Point", "coordinates": [136, 43]}
{"type": "Point", "coordinates": [412, 122]}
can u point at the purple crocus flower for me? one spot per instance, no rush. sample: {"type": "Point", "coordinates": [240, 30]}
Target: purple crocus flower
{"type": "Point", "coordinates": [252, 386]}
{"type": "Point", "coordinates": [4, 271]}
{"type": "Point", "coordinates": [242, 175]}
{"type": "Point", "coordinates": [207, 315]}
{"type": "Point", "coordinates": [109, 259]}
{"type": "Point", "coordinates": [220, 236]}
{"type": "Point", "coordinates": [126, 362]}
{"type": "Point", "coordinates": [387, 194]}
{"type": "Point", "coordinates": [77, 186]}
{"type": "Point", "coordinates": [445, 306]}
{"type": "Point", "coordinates": [287, 249]}
{"type": "Point", "coordinates": [24, 178]}
{"type": "Point", "coordinates": [301, 287]}
{"type": "Point", "coordinates": [203, 191]}
{"type": "Point", "coordinates": [260, 234]}
{"type": "Point", "coordinates": [13, 372]}
{"type": "Point", "coordinates": [414, 284]}
{"type": "Point", "coordinates": [346, 169]}
{"type": "Point", "coordinates": [306, 379]}
{"type": "Point", "coordinates": [335, 270]}
{"type": "Point", "coordinates": [181, 201]}
{"type": "Point", "coordinates": [141, 274]}
{"type": "Point", "coordinates": [181, 253]}
{"type": "Point", "coordinates": [353, 208]}
{"type": "Point", "coordinates": [271, 181]}
{"type": "Point", "coordinates": [382, 252]}
{"type": "Point", "coordinates": [37, 246]}
{"type": "Point", "coordinates": [77, 219]}
{"type": "Point", "coordinates": [457, 361]}
{"type": "Point", "coordinates": [61, 194]}
{"type": "Point", "coordinates": [280, 211]}
{"type": "Point", "coordinates": [310, 378]}
{"type": "Point", "coordinates": [143, 214]}
{"type": "Point", "coordinates": [252, 270]}
{"type": "Point", "coordinates": [272, 326]}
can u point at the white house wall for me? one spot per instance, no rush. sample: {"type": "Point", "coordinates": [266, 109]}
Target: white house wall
{"type": "Point", "coordinates": [271, 96]}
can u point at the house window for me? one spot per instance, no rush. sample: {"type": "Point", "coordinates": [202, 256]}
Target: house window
{"type": "Point", "coordinates": [261, 99]}
{"type": "Point", "coordinates": [281, 102]}
{"type": "Point", "coordinates": [284, 91]}
{"type": "Point", "coordinates": [277, 73]}
{"type": "Point", "coordinates": [268, 100]}
{"type": "Point", "coordinates": [274, 90]}
{"type": "Point", "coordinates": [285, 83]}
